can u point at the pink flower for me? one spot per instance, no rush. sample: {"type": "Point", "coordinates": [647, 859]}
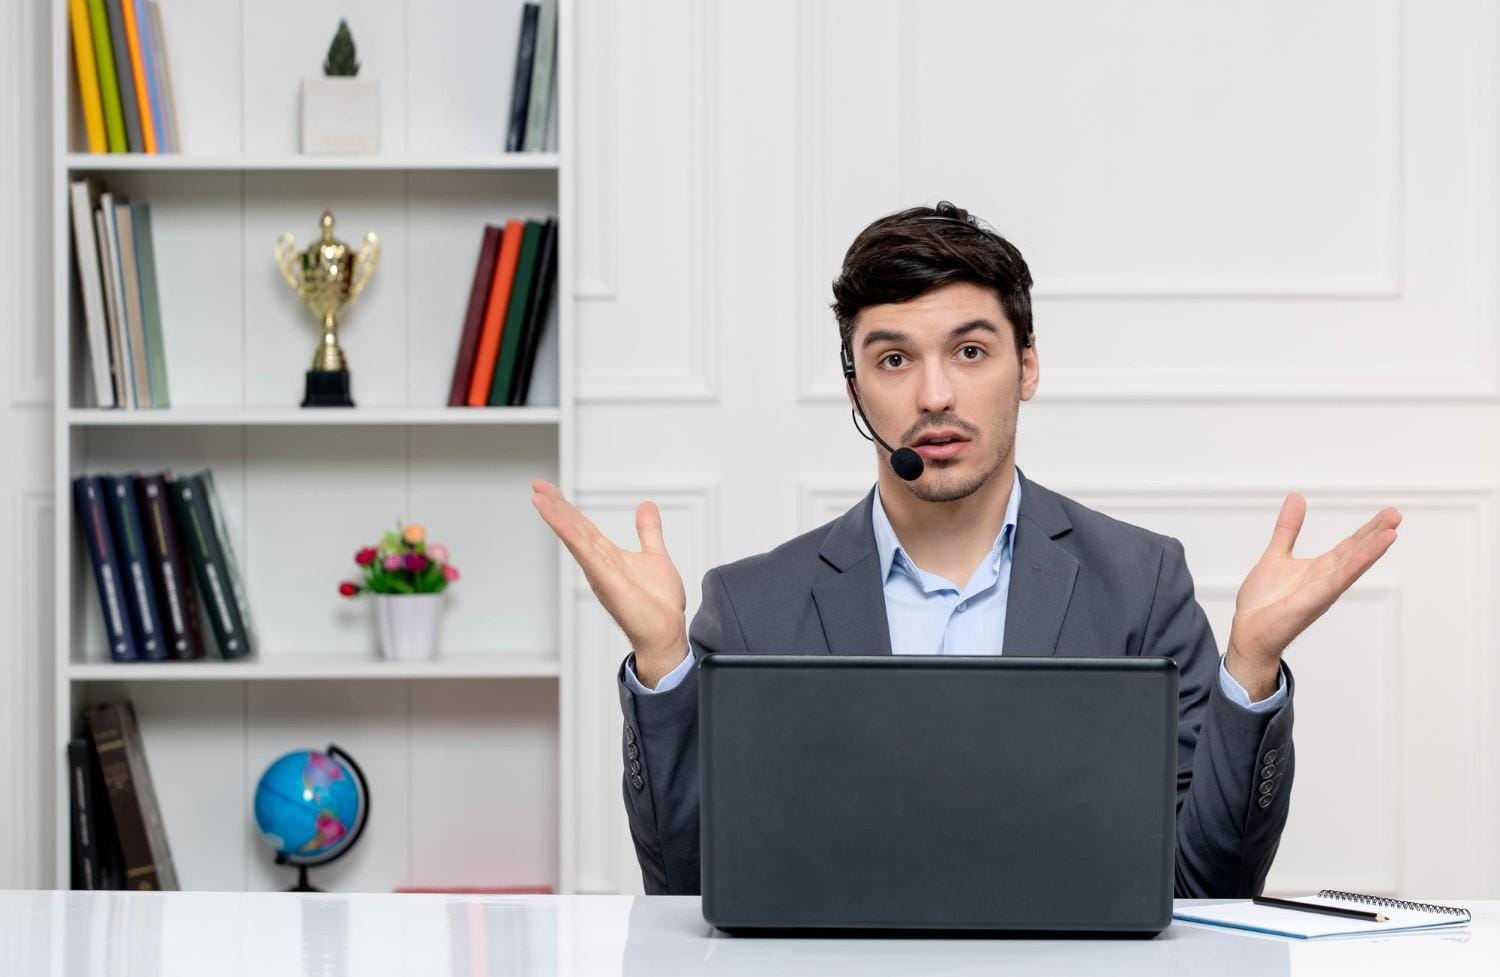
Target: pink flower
{"type": "Point", "coordinates": [438, 552]}
{"type": "Point", "coordinates": [348, 589]}
{"type": "Point", "coordinates": [365, 556]}
{"type": "Point", "coordinates": [416, 562]}
{"type": "Point", "coordinates": [393, 562]}
{"type": "Point", "coordinates": [450, 573]}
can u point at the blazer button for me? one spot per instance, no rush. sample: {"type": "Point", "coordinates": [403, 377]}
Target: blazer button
{"type": "Point", "coordinates": [629, 733]}
{"type": "Point", "coordinates": [1270, 756]}
{"type": "Point", "coordinates": [632, 751]}
{"type": "Point", "coordinates": [1265, 800]}
{"type": "Point", "coordinates": [1267, 772]}
{"type": "Point", "coordinates": [635, 767]}
{"type": "Point", "coordinates": [1266, 787]}
{"type": "Point", "coordinates": [637, 782]}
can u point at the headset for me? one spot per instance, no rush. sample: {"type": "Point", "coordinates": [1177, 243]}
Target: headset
{"type": "Point", "coordinates": [904, 461]}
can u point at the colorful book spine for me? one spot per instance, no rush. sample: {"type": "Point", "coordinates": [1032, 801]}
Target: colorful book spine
{"type": "Point", "coordinates": [145, 613]}
{"type": "Point", "coordinates": [150, 56]}
{"type": "Point", "coordinates": [93, 515]}
{"type": "Point", "coordinates": [109, 88]}
{"type": "Point", "coordinates": [86, 72]}
{"type": "Point", "coordinates": [138, 76]}
{"type": "Point", "coordinates": [520, 90]}
{"type": "Point", "coordinates": [164, 71]}
{"type": "Point", "coordinates": [169, 570]}
{"type": "Point", "coordinates": [479, 291]}
{"type": "Point", "coordinates": [132, 797]}
{"type": "Point", "coordinates": [123, 79]}
{"type": "Point", "coordinates": [515, 316]}
{"type": "Point", "coordinates": [494, 314]}
{"type": "Point", "coordinates": [536, 314]}
{"type": "Point", "coordinates": [190, 511]}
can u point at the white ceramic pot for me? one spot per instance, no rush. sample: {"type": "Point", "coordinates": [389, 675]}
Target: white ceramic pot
{"type": "Point", "coordinates": [340, 115]}
{"type": "Point", "coordinates": [408, 625]}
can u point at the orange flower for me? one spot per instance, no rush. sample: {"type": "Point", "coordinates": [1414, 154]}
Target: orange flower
{"type": "Point", "coordinates": [414, 534]}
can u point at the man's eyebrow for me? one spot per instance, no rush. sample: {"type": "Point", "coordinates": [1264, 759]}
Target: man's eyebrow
{"type": "Point", "coordinates": [891, 336]}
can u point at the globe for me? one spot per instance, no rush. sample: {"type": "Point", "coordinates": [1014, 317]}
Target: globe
{"type": "Point", "coordinates": [310, 807]}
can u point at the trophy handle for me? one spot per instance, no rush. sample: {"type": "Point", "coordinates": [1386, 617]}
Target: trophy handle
{"type": "Point", "coordinates": [286, 260]}
{"type": "Point", "coordinates": [364, 264]}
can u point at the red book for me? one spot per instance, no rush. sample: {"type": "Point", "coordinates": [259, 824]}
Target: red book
{"type": "Point", "coordinates": [463, 369]}
{"type": "Point", "coordinates": [494, 314]}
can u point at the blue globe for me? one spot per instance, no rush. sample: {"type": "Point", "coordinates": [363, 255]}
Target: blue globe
{"type": "Point", "coordinates": [309, 805]}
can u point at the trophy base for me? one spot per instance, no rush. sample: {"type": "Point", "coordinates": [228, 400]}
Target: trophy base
{"type": "Point", "coordinates": [327, 388]}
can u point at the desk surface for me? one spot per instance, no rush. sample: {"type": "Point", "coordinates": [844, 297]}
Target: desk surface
{"type": "Point", "coordinates": [104, 934]}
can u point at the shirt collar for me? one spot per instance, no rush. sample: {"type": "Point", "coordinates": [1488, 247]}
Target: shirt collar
{"type": "Point", "coordinates": [888, 546]}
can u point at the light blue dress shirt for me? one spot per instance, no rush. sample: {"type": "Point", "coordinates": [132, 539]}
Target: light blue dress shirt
{"type": "Point", "coordinates": [931, 615]}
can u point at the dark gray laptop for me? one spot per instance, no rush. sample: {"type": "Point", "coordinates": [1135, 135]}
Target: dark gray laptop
{"type": "Point", "coordinates": [1033, 795]}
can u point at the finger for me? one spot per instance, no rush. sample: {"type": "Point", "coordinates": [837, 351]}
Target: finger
{"type": "Point", "coordinates": [1387, 518]}
{"type": "Point", "coordinates": [648, 526]}
{"type": "Point", "coordinates": [1288, 525]}
{"type": "Point", "coordinates": [1360, 559]}
{"type": "Point", "coordinates": [571, 526]}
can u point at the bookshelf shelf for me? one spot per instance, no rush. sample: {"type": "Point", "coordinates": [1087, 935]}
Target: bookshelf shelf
{"type": "Point", "coordinates": [295, 416]}
{"type": "Point", "coordinates": [174, 162]}
{"type": "Point", "coordinates": [315, 669]}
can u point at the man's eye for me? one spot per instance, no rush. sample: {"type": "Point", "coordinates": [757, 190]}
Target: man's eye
{"type": "Point", "coordinates": [980, 348]}
{"type": "Point", "coordinates": [890, 356]}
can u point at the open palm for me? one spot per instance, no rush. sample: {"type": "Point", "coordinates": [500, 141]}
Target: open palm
{"type": "Point", "coordinates": [642, 590]}
{"type": "Point", "coordinates": [1283, 595]}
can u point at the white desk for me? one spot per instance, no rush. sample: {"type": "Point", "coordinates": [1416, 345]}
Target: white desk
{"type": "Point", "coordinates": [119, 934]}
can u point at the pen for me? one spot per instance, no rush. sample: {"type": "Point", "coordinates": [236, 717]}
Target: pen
{"type": "Point", "coordinates": [1312, 907]}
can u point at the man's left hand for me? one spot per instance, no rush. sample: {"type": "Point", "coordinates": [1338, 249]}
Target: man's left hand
{"type": "Point", "coordinates": [1283, 595]}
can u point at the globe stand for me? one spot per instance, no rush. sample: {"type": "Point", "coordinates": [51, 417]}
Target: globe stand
{"type": "Point", "coordinates": [302, 885]}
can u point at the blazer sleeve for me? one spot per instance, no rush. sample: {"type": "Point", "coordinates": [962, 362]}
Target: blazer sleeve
{"type": "Point", "coordinates": [1234, 766]}
{"type": "Point", "coordinates": [660, 752]}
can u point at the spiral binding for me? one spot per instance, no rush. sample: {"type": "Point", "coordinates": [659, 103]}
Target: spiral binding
{"type": "Point", "coordinates": [1384, 903]}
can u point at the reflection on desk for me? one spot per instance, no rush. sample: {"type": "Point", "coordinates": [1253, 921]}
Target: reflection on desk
{"type": "Point", "coordinates": [187, 934]}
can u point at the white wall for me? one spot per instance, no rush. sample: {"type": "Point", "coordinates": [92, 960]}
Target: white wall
{"type": "Point", "coordinates": [1264, 241]}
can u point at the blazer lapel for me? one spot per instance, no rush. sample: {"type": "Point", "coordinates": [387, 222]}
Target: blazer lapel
{"type": "Point", "coordinates": [851, 604]}
{"type": "Point", "coordinates": [1042, 574]}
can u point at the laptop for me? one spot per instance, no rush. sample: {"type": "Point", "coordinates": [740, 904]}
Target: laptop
{"type": "Point", "coordinates": [921, 793]}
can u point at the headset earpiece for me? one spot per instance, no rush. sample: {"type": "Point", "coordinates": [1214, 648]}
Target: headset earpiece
{"type": "Point", "coordinates": [846, 360]}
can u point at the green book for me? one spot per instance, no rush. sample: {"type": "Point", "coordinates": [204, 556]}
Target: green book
{"type": "Point", "coordinates": [541, 78]}
{"type": "Point", "coordinates": [211, 562]}
{"type": "Point", "coordinates": [109, 88]}
{"type": "Point", "coordinates": [145, 269]}
{"type": "Point", "coordinates": [515, 315]}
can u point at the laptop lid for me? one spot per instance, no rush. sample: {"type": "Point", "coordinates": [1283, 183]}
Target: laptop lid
{"type": "Point", "coordinates": [918, 792]}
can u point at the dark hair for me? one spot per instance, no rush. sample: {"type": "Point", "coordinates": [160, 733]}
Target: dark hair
{"type": "Point", "coordinates": [906, 254]}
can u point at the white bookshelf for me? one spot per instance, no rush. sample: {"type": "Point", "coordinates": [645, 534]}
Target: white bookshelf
{"type": "Point", "coordinates": [467, 755]}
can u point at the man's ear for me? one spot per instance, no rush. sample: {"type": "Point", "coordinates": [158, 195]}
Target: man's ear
{"type": "Point", "coordinates": [1031, 370]}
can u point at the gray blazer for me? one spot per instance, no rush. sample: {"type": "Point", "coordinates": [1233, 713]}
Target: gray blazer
{"type": "Point", "coordinates": [1081, 584]}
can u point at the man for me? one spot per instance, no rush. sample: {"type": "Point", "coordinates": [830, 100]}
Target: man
{"type": "Point", "coordinates": [966, 555]}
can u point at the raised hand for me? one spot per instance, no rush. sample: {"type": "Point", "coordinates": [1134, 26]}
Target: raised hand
{"type": "Point", "coordinates": [1283, 595]}
{"type": "Point", "coordinates": [642, 591]}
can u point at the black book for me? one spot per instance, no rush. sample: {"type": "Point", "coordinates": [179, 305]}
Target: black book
{"type": "Point", "coordinates": [93, 518]}
{"type": "Point", "coordinates": [520, 89]}
{"type": "Point", "coordinates": [537, 305]}
{"type": "Point", "coordinates": [169, 570]}
{"type": "Point", "coordinates": [130, 543]}
{"type": "Point", "coordinates": [212, 563]}
{"type": "Point", "coordinates": [85, 874]}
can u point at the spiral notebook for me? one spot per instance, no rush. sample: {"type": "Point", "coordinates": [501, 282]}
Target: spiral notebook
{"type": "Point", "coordinates": [1401, 916]}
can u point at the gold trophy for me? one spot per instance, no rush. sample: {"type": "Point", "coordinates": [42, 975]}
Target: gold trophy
{"type": "Point", "coordinates": [327, 276]}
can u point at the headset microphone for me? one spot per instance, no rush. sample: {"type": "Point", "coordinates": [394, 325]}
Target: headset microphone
{"type": "Point", "coordinates": [904, 461]}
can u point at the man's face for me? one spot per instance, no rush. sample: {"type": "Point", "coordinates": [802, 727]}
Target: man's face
{"type": "Point", "coordinates": [944, 360]}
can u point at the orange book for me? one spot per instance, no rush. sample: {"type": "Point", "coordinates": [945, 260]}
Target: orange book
{"type": "Point", "coordinates": [138, 74]}
{"type": "Point", "coordinates": [494, 314]}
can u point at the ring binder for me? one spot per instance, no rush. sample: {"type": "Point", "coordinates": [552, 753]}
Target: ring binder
{"type": "Point", "coordinates": [1387, 903]}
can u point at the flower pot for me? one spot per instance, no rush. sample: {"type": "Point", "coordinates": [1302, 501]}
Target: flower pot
{"type": "Point", "coordinates": [408, 625]}
{"type": "Point", "coordinates": [340, 115]}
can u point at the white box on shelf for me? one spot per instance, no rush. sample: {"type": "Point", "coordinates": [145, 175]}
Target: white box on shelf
{"type": "Point", "coordinates": [340, 115]}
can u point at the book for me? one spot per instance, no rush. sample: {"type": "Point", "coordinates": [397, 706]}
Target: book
{"type": "Point", "coordinates": [109, 87]}
{"type": "Point", "coordinates": [209, 560]}
{"type": "Point", "coordinates": [91, 289]}
{"type": "Point", "coordinates": [543, 60]}
{"type": "Point", "coordinates": [1401, 916]}
{"type": "Point", "coordinates": [130, 283]}
{"type": "Point", "coordinates": [85, 857]}
{"type": "Point", "coordinates": [515, 315]}
{"type": "Point", "coordinates": [170, 573]}
{"type": "Point", "coordinates": [130, 540]}
{"type": "Point", "coordinates": [145, 265]}
{"type": "Point", "coordinates": [123, 79]}
{"type": "Point", "coordinates": [169, 105]}
{"type": "Point", "coordinates": [93, 518]}
{"type": "Point", "coordinates": [479, 291]}
{"type": "Point", "coordinates": [138, 76]}
{"type": "Point", "coordinates": [210, 494]}
{"type": "Point", "coordinates": [494, 314]}
{"type": "Point", "coordinates": [536, 314]}
{"type": "Point", "coordinates": [132, 797]}
{"type": "Point", "coordinates": [86, 73]}
{"type": "Point", "coordinates": [114, 300]}
{"type": "Point", "coordinates": [520, 89]}
{"type": "Point", "coordinates": [149, 57]}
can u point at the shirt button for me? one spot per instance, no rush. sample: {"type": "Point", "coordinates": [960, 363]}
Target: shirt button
{"type": "Point", "coordinates": [962, 605]}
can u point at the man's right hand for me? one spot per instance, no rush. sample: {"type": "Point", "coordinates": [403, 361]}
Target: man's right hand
{"type": "Point", "coordinates": [642, 591]}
